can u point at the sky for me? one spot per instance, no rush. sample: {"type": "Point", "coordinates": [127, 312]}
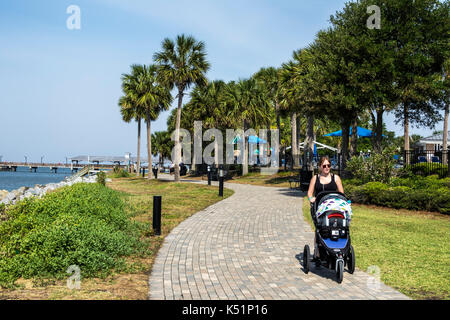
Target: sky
{"type": "Point", "coordinates": [59, 87]}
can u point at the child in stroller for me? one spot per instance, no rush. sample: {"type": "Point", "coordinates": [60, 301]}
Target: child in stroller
{"type": "Point", "coordinates": [331, 213]}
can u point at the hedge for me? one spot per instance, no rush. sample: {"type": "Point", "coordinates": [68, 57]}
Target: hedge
{"type": "Point", "coordinates": [429, 199]}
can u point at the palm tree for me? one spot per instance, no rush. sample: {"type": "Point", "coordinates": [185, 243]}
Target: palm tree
{"type": "Point", "coordinates": [162, 145]}
{"type": "Point", "coordinates": [247, 105]}
{"type": "Point", "coordinates": [208, 103]}
{"type": "Point", "coordinates": [181, 64]}
{"type": "Point", "coordinates": [446, 80]}
{"type": "Point", "coordinates": [150, 95]}
{"type": "Point", "coordinates": [290, 101]}
{"type": "Point", "coordinates": [130, 109]}
{"type": "Point", "coordinates": [298, 90]}
{"type": "Point", "coordinates": [269, 80]}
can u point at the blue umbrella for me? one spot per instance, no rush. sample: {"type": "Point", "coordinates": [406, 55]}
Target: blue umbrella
{"type": "Point", "coordinates": [251, 139]}
{"type": "Point", "coordinates": [361, 132]}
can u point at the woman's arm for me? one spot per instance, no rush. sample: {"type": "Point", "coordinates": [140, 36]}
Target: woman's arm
{"type": "Point", "coordinates": [311, 189]}
{"type": "Point", "coordinates": [339, 184]}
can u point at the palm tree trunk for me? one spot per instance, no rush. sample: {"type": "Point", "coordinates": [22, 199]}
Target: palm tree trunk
{"type": "Point", "coordinates": [193, 169]}
{"type": "Point", "coordinates": [149, 146]}
{"type": "Point", "coordinates": [374, 125]}
{"type": "Point", "coordinates": [379, 129]}
{"type": "Point", "coordinates": [138, 148]}
{"type": "Point", "coordinates": [354, 137]}
{"type": "Point", "coordinates": [177, 136]}
{"type": "Point", "coordinates": [406, 131]}
{"type": "Point", "coordinates": [245, 155]}
{"type": "Point", "coordinates": [309, 142]}
{"type": "Point", "coordinates": [216, 152]}
{"type": "Point", "coordinates": [277, 111]}
{"type": "Point", "coordinates": [344, 143]}
{"type": "Point", "coordinates": [294, 140]}
{"type": "Point", "coordinates": [445, 136]}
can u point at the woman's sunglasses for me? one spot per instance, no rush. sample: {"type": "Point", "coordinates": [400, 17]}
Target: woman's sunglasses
{"type": "Point", "coordinates": [326, 165]}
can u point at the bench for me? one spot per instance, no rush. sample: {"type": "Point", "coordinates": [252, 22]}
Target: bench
{"type": "Point", "coordinates": [294, 181]}
{"type": "Point", "coordinates": [302, 181]}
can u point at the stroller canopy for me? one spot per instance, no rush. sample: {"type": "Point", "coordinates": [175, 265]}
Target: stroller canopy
{"type": "Point", "coordinates": [335, 204]}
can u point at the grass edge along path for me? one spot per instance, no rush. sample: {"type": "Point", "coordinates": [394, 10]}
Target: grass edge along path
{"type": "Point", "coordinates": [410, 248]}
{"type": "Point", "coordinates": [277, 180]}
{"type": "Point", "coordinates": [179, 201]}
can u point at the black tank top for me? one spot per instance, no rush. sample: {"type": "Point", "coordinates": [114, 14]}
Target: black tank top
{"type": "Point", "coordinates": [319, 187]}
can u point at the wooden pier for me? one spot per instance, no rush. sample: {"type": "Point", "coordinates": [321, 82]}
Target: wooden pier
{"type": "Point", "coordinates": [53, 167]}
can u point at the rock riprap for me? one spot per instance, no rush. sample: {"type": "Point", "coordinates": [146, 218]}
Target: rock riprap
{"type": "Point", "coordinates": [11, 197]}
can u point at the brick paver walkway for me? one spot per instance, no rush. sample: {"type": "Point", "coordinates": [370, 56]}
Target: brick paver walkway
{"type": "Point", "coordinates": [249, 246]}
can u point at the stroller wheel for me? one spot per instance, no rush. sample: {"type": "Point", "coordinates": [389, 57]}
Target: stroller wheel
{"type": "Point", "coordinates": [340, 271]}
{"type": "Point", "coordinates": [306, 258]}
{"type": "Point", "coordinates": [351, 260]}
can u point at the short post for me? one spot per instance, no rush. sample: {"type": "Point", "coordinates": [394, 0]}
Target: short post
{"type": "Point", "coordinates": [143, 172]}
{"type": "Point", "coordinates": [157, 215]}
{"type": "Point", "coordinates": [155, 172]}
{"type": "Point", "coordinates": [209, 175]}
{"type": "Point", "coordinates": [221, 182]}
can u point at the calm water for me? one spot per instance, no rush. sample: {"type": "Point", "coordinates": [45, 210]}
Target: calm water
{"type": "Point", "coordinates": [10, 180]}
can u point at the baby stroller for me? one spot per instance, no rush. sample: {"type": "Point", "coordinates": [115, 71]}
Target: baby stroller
{"type": "Point", "coordinates": [331, 214]}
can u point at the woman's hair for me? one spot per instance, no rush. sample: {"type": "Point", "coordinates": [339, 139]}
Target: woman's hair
{"type": "Point", "coordinates": [323, 159]}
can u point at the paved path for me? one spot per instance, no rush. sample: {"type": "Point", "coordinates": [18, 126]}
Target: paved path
{"type": "Point", "coordinates": [249, 246]}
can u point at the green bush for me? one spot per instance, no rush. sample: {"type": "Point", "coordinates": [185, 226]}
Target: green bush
{"type": "Point", "coordinates": [377, 167]}
{"type": "Point", "coordinates": [83, 225]}
{"type": "Point", "coordinates": [424, 169]}
{"type": "Point", "coordinates": [121, 173]}
{"type": "Point", "coordinates": [101, 178]}
{"type": "Point", "coordinates": [430, 194]}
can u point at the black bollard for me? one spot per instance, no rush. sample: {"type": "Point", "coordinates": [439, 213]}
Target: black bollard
{"type": "Point", "coordinates": [221, 183]}
{"type": "Point", "coordinates": [143, 172]}
{"type": "Point", "coordinates": [157, 215]}
{"type": "Point", "coordinates": [209, 175]}
{"type": "Point", "coordinates": [220, 186]}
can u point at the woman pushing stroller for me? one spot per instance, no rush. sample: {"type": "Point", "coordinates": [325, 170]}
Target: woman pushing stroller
{"type": "Point", "coordinates": [325, 181]}
{"type": "Point", "coordinates": [331, 213]}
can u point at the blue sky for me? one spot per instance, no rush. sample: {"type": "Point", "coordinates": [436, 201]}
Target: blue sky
{"type": "Point", "coordinates": [59, 88]}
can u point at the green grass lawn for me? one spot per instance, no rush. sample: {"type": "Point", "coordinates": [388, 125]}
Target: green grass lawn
{"type": "Point", "coordinates": [179, 201]}
{"type": "Point", "coordinates": [412, 249]}
{"type": "Point", "coordinates": [280, 179]}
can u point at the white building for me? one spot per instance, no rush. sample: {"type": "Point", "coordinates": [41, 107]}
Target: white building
{"type": "Point", "coordinates": [431, 143]}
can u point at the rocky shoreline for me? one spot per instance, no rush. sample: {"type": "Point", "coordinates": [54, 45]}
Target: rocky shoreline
{"type": "Point", "coordinates": [11, 197]}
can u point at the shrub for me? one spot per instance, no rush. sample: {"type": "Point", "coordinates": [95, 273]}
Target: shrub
{"type": "Point", "coordinates": [424, 169]}
{"type": "Point", "coordinates": [430, 197]}
{"type": "Point", "coordinates": [377, 167]}
{"type": "Point", "coordinates": [83, 225]}
{"type": "Point", "coordinates": [122, 173]}
{"type": "Point", "coordinates": [101, 178]}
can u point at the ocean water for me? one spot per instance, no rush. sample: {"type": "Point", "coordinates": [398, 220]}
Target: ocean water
{"type": "Point", "coordinates": [10, 180]}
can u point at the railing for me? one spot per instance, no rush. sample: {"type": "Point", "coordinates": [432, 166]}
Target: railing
{"type": "Point", "coordinates": [427, 162]}
{"type": "Point", "coordinates": [81, 173]}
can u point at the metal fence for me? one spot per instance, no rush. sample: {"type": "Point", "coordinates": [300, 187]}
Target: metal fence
{"type": "Point", "coordinates": [427, 162]}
